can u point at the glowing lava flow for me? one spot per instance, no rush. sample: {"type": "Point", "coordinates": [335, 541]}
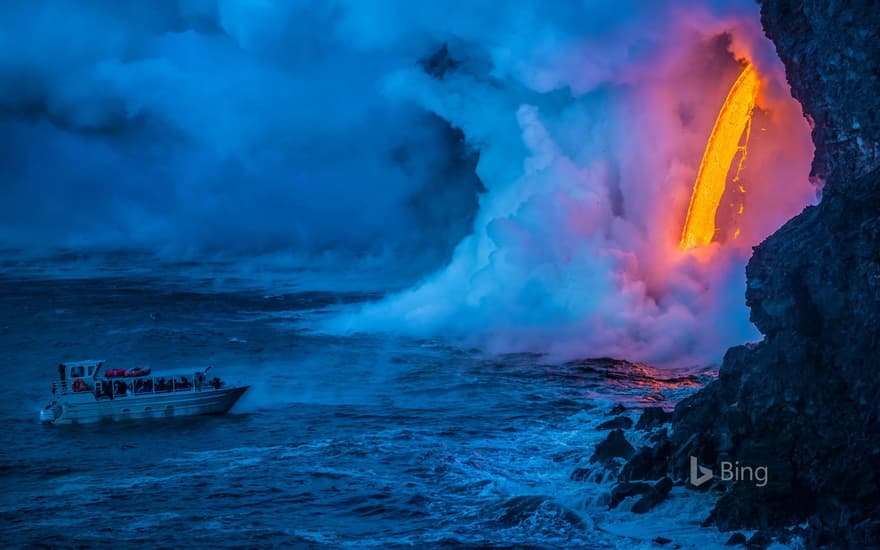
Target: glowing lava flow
{"type": "Point", "coordinates": [733, 120]}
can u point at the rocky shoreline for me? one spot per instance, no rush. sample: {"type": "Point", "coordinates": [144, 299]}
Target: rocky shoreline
{"type": "Point", "coordinates": [804, 402]}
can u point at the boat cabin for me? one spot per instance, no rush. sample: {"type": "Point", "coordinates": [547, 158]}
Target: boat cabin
{"type": "Point", "coordinates": [79, 370]}
{"type": "Point", "coordinates": [86, 377]}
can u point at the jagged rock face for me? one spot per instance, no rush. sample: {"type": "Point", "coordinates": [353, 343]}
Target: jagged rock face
{"type": "Point", "coordinates": [805, 402]}
{"type": "Point", "coordinates": [831, 52]}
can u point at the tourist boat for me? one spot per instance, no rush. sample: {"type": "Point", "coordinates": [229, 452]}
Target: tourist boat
{"type": "Point", "coordinates": [86, 392]}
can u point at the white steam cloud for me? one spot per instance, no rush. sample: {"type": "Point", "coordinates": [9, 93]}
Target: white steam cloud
{"type": "Point", "coordinates": [351, 130]}
{"type": "Point", "coordinates": [591, 124]}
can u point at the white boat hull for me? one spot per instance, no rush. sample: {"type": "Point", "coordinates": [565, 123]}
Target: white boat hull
{"type": "Point", "coordinates": [85, 408]}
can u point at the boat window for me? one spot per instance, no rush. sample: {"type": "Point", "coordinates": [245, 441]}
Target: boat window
{"type": "Point", "coordinates": [91, 370]}
{"type": "Point", "coordinates": [76, 372]}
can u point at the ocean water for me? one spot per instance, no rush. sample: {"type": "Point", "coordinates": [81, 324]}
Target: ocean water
{"type": "Point", "coordinates": [362, 441]}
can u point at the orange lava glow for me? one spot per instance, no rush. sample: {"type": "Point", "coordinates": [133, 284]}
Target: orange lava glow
{"type": "Point", "coordinates": [733, 121]}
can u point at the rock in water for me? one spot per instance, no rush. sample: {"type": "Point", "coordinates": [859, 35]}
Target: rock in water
{"type": "Point", "coordinates": [619, 423]}
{"type": "Point", "coordinates": [649, 463]}
{"type": "Point", "coordinates": [653, 417]}
{"type": "Point", "coordinates": [627, 489]}
{"type": "Point", "coordinates": [759, 541]}
{"type": "Point", "coordinates": [653, 497]}
{"type": "Point", "coordinates": [614, 446]}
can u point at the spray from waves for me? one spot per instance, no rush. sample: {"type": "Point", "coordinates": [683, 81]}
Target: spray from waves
{"type": "Point", "coordinates": [589, 147]}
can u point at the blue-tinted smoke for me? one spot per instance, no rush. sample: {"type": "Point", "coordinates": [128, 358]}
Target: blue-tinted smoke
{"type": "Point", "coordinates": [220, 128]}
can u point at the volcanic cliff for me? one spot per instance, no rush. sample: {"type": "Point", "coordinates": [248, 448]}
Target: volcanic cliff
{"type": "Point", "coordinates": [805, 401]}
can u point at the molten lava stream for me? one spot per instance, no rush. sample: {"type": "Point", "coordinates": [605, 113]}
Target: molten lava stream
{"type": "Point", "coordinates": [733, 120]}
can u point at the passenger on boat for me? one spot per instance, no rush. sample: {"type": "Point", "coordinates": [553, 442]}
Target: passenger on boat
{"type": "Point", "coordinates": [216, 383]}
{"type": "Point", "coordinates": [182, 383]}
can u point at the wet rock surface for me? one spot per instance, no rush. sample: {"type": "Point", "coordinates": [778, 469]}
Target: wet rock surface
{"type": "Point", "coordinates": [832, 61]}
{"type": "Point", "coordinates": [619, 423]}
{"type": "Point", "coordinates": [653, 417]}
{"type": "Point", "coordinates": [627, 489]}
{"type": "Point", "coordinates": [804, 402]}
{"type": "Point", "coordinates": [657, 494]}
{"type": "Point", "coordinates": [650, 462]}
{"type": "Point", "coordinates": [614, 446]}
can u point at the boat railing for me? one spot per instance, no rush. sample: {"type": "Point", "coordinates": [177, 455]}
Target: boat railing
{"type": "Point", "coordinates": [122, 386]}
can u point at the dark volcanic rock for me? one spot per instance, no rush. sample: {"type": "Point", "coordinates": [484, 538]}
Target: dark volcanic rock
{"type": "Point", "coordinates": [627, 489]}
{"type": "Point", "coordinates": [653, 417]}
{"type": "Point", "coordinates": [653, 497]}
{"type": "Point", "coordinates": [619, 423]}
{"type": "Point", "coordinates": [616, 410]}
{"type": "Point", "coordinates": [759, 541]}
{"type": "Point", "coordinates": [649, 462]}
{"type": "Point", "coordinates": [736, 539]}
{"type": "Point", "coordinates": [805, 402]}
{"type": "Point", "coordinates": [659, 435]}
{"type": "Point", "coordinates": [614, 446]}
{"type": "Point", "coordinates": [831, 52]}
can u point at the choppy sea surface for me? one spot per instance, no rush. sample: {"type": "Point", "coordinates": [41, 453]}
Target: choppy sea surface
{"type": "Point", "coordinates": [363, 441]}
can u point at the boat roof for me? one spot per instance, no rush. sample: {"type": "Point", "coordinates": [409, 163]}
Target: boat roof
{"type": "Point", "coordinates": [153, 373]}
{"type": "Point", "coordinates": [87, 363]}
